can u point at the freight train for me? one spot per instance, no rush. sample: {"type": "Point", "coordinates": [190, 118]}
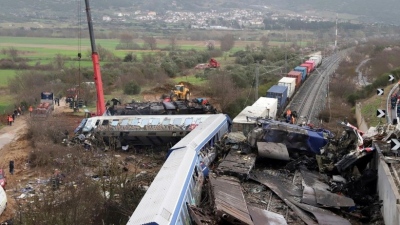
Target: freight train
{"type": "Point", "coordinates": [285, 89]}
{"type": "Point", "coordinates": [277, 97]}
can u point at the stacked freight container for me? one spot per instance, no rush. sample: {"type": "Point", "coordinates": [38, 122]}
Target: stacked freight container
{"type": "Point", "coordinates": [271, 104]}
{"type": "Point", "coordinates": [303, 71]}
{"type": "Point", "coordinates": [296, 74]}
{"type": "Point", "coordinates": [289, 82]}
{"type": "Point", "coordinates": [242, 122]}
{"type": "Point", "coordinates": [317, 60]}
{"type": "Point", "coordinates": [308, 66]}
{"type": "Point", "coordinates": [280, 93]}
{"type": "Point", "coordinates": [263, 108]}
{"type": "Point", "coordinates": [312, 64]}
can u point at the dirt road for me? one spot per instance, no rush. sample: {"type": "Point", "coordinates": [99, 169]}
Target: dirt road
{"type": "Point", "coordinates": [15, 146]}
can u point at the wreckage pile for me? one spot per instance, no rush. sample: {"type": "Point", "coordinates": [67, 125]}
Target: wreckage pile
{"type": "Point", "coordinates": [287, 174]}
{"type": "Point", "coordinates": [195, 106]}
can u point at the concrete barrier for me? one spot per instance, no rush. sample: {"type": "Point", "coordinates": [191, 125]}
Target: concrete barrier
{"type": "Point", "coordinates": [387, 191]}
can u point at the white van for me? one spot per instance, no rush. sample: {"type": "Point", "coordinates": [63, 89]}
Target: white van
{"type": "Point", "coordinates": [3, 200]}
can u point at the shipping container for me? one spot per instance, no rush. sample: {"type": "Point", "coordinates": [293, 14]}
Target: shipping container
{"type": "Point", "coordinates": [312, 63]}
{"type": "Point", "coordinates": [242, 121]}
{"type": "Point", "coordinates": [317, 59]}
{"type": "Point", "coordinates": [280, 93]}
{"type": "Point", "coordinates": [271, 104]}
{"type": "Point", "coordinates": [303, 71]}
{"type": "Point", "coordinates": [290, 82]}
{"type": "Point", "coordinates": [298, 75]}
{"type": "Point", "coordinates": [308, 66]}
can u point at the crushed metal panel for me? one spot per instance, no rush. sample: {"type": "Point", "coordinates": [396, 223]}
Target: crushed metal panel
{"type": "Point", "coordinates": [229, 202]}
{"type": "Point", "coordinates": [323, 216]}
{"type": "Point", "coordinates": [236, 164]}
{"type": "Point", "coordinates": [199, 217]}
{"type": "Point", "coordinates": [327, 198]}
{"type": "Point", "coordinates": [279, 187]}
{"type": "Point", "coordinates": [313, 180]}
{"type": "Point", "coordinates": [273, 150]}
{"type": "Point", "coordinates": [350, 159]}
{"type": "Point", "coordinates": [264, 217]}
{"type": "Point", "coordinates": [309, 195]}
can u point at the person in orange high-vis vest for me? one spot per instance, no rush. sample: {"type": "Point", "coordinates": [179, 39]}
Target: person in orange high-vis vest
{"type": "Point", "coordinates": [30, 110]}
{"type": "Point", "coordinates": [10, 120]}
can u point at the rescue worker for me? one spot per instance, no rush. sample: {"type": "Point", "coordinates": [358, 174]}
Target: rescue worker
{"type": "Point", "coordinates": [10, 120]}
{"type": "Point", "coordinates": [292, 119]}
{"type": "Point", "coordinates": [30, 110]}
{"type": "Point", "coordinates": [11, 167]}
{"type": "Point", "coordinates": [288, 116]}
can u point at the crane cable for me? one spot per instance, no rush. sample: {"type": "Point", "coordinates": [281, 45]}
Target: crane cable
{"type": "Point", "coordinates": [79, 45]}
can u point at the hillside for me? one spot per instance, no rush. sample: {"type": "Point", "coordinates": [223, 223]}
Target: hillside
{"type": "Point", "coordinates": [367, 10]}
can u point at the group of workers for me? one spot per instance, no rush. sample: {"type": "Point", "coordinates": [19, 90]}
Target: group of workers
{"type": "Point", "coordinates": [290, 116]}
{"type": "Point", "coordinates": [17, 111]}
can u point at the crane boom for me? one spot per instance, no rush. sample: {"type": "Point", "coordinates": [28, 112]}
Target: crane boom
{"type": "Point", "coordinates": [101, 107]}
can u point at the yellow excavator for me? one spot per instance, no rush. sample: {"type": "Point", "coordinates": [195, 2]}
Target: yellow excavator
{"type": "Point", "coordinates": [180, 92]}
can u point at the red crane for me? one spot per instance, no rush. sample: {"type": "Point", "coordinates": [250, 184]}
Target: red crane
{"type": "Point", "coordinates": [101, 107]}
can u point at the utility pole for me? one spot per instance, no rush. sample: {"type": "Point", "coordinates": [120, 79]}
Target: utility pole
{"type": "Point", "coordinates": [286, 65]}
{"type": "Point", "coordinates": [256, 84]}
{"type": "Point", "coordinates": [336, 33]}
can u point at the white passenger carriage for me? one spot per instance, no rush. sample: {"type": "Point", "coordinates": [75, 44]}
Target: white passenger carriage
{"type": "Point", "coordinates": [144, 129]}
{"type": "Point", "coordinates": [180, 179]}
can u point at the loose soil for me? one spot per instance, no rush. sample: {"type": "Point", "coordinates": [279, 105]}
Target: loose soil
{"type": "Point", "coordinates": [19, 148]}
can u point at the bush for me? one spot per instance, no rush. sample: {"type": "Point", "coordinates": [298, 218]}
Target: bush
{"type": "Point", "coordinates": [132, 88]}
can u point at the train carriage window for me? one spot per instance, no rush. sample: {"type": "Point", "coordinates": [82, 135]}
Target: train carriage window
{"type": "Point", "coordinates": [135, 121]}
{"type": "Point", "coordinates": [105, 122]}
{"type": "Point", "coordinates": [124, 122]}
{"type": "Point", "coordinates": [177, 121]}
{"type": "Point", "coordinates": [97, 122]}
{"type": "Point", "coordinates": [155, 121]}
{"type": "Point", "coordinates": [114, 122]}
{"type": "Point", "coordinates": [144, 122]}
{"type": "Point", "coordinates": [166, 122]}
{"type": "Point", "coordinates": [188, 121]}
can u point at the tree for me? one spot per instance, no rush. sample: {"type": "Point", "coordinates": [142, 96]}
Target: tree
{"type": "Point", "coordinates": [210, 45]}
{"type": "Point", "coordinates": [172, 43]}
{"type": "Point", "coordinates": [150, 42]}
{"type": "Point", "coordinates": [132, 88]}
{"type": "Point", "coordinates": [227, 42]}
{"type": "Point", "coordinates": [222, 88]}
{"type": "Point", "coordinates": [130, 57]}
{"type": "Point", "coordinates": [264, 41]}
{"type": "Point", "coordinates": [126, 40]}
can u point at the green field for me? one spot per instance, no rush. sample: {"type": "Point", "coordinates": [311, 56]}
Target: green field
{"type": "Point", "coordinates": [5, 75]}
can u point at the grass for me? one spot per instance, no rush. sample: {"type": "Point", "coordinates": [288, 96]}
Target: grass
{"type": "Point", "coordinates": [5, 75]}
{"type": "Point", "coordinates": [371, 105]}
{"type": "Point", "coordinates": [6, 104]}
{"type": "Point", "coordinates": [191, 79]}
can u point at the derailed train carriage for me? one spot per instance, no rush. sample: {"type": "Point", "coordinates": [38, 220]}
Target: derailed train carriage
{"type": "Point", "coordinates": [180, 180]}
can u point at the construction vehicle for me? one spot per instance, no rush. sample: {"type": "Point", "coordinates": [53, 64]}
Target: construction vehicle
{"type": "Point", "coordinates": [72, 94]}
{"type": "Point", "coordinates": [46, 105]}
{"type": "Point", "coordinates": [101, 105]}
{"type": "Point", "coordinates": [213, 63]}
{"type": "Point", "coordinates": [180, 92]}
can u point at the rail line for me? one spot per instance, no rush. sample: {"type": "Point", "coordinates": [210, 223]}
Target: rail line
{"type": "Point", "coordinates": [305, 101]}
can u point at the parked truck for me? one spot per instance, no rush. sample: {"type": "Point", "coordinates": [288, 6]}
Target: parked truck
{"type": "Point", "coordinates": [46, 105]}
